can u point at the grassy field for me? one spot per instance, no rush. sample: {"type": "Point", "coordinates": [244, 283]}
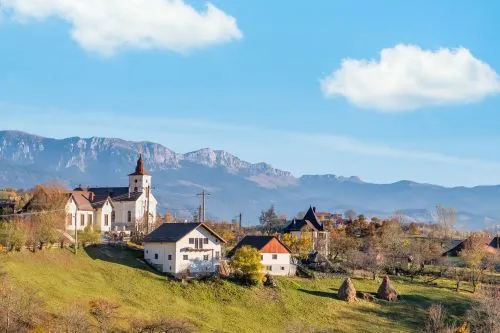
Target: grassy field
{"type": "Point", "coordinates": [60, 278]}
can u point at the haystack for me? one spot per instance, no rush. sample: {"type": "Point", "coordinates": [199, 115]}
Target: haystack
{"type": "Point", "coordinates": [386, 291]}
{"type": "Point", "coordinates": [347, 292]}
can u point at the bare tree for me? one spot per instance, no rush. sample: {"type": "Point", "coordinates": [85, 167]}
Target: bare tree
{"type": "Point", "coordinates": [446, 219]}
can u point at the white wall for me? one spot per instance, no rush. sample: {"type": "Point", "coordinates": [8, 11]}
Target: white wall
{"type": "Point", "coordinates": [106, 209]}
{"type": "Point", "coordinates": [138, 210]}
{"type": "Point", "coordinates": [163, 250]}
{"type": "Point", "coordinates": [77, 216]}
{"type": "Point", "coordinates": [196, 262]}
{"type": "Point", "coordinates": [279, 266]}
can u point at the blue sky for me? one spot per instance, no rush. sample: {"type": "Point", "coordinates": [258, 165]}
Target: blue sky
{"type": "Point", "coordinates": [256, 78]}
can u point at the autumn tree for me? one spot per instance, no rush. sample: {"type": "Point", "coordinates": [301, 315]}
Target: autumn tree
{"type": "Point", "coordinates": [341, 244]}
{"type": "Point", "coordinates": [298, 245]}
{"type": "Point", "coordinates": [477, 257]}
{"type": "Point", "coordinates": [246, 263]}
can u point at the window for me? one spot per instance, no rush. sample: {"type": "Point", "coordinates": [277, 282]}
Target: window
{"type": "Point", "coordinates": [129, 216]}
{"type": "Point", "coordinates": [82, 219]}
{"type": "Point", "coordinates": [261, 257]}
{"type": "Point", "coordinates": [269, 268]}
{"type": "Point", "coordinates": [217, 254]}
{"type": "Point", "coordinates": [135, 181]}
{"type": "Point", "coordinates": [205, 257]}
{"type": "Point", "coordinates": [205, 241]}
{"type": "Point", "coordinates": [185, 257]}
{"type": "Point", "coordinates": [135, 189]}
{"type": "Point", "coordinates": [106, 220]}
{"type": "Point", "coordinates": [169, 257]}
{"type": "Point", "coordinates": [146, 251]}
{"type": "Point", "coordinates": [282, 268]}
{"type": "Point", "coordinates": [198, 242]}
{"type": "Point", "coordinates": [191, 240]}
{"type": "Point", "coordinates": [113, 216]}
{"type": "Point", "coordinates": [156, 255]}
{"type": "Point", "coordinates": [90, 219]}
{"type": "Point", "coordinates": [275, 256]}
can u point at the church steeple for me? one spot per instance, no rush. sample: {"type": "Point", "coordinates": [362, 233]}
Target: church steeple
{"type": "Point", "coordinates": [140, 180]}
{"type": "Point", "coordinates": [139, 169]}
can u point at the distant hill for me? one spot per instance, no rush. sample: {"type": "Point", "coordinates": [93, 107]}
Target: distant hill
{"type": "Point", "coordinates": [236, 186]}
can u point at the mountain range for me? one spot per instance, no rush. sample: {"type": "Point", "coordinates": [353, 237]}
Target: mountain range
{"type": "Point", "coordinates": [236, 186]}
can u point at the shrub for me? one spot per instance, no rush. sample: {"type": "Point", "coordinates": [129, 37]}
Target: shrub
{"type": "Point", "coordinates": [104, 312]}
{"type": "Point", "coordinates": [246, 263]}
{"type": "Point", "coordinates": [162, 325]}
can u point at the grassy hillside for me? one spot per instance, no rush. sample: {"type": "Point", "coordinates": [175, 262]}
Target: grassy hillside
{"type": "Point", "coordinates": [60, 278]}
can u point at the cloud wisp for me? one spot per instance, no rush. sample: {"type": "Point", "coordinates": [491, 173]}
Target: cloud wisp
{"type": "Point", "coordinates": [203, 130]}
{"type": "Point", "coordinates": [108, 26]}
{"type": "Point", "coordinates": [407, 77]}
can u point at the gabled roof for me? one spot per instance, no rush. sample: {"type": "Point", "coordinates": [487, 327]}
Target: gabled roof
{"type": "Point", "coordinates": [173, 232]}
{"type": "Point", "coordinates": [455, 251]}
{"type": "Point", "coordinates": [495, 242]}
{"type": "Point", "coordinates": [257, 242]}
{"type": "Point", "coordinates": [309, 219]}
{"type": "Point", "coordinates": [82, 200]}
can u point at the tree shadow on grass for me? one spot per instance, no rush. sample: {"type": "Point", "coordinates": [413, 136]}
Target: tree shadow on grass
{"type": "Point", "coordinates": [319, 293]}
{"type": "Point", "coordinates": [121, 256]}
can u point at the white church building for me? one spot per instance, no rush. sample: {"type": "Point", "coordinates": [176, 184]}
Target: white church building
{"type": "Point", "coordinates": [130, 208]}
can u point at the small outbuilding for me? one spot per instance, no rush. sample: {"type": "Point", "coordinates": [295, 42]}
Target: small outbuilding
{"type": "Point", "coordinates": [275, 256]}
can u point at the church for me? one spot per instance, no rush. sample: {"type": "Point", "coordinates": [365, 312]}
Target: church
{"type": "Point", "coordinates": [131, 208]}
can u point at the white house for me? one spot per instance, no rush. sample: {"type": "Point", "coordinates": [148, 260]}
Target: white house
{"type": "Point", "coordinates": [275, 256]}
{"type": "Point", "coordinates": [114, 208]}
{"type": "Point", "coordinates": [183, 248]}
{"type": "Point", "coordinates": [82, 212]}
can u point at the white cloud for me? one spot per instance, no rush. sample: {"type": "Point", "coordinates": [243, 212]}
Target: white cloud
{"type": "Point", "coordinates": [106, 26]}
{"type": "Point", "coordinates": [407, 77]}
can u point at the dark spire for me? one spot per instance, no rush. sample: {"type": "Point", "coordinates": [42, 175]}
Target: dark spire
{"type": "Point", "coordinates": [139, 169]}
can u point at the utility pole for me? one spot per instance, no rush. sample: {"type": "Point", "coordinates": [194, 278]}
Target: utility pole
{"type": "Point", "coordinates": [239, 226]}
{"type": "Point", "coordinates": [76, 236]}
{"type": "Point", "coordinates": [147, 209]}
{"type": "Point", "coordinates": [202, 196]}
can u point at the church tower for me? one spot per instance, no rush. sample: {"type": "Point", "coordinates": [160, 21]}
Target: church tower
{"type": "Point", "coordinates": [140, 180]}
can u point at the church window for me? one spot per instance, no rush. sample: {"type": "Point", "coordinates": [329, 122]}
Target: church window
{"type": "Point", "coordinates": [106, 219]}
{"type": "Point", "coordinates": [129, 216]}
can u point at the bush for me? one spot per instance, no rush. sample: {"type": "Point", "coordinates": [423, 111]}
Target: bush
{"type": "Point", "coordinates": [247, 266]}
{"type": "Point", "coordinates": [104, 312]}
{"type": "Point", "coordinates": [19, 308]}
{"type": "Point", "coordinates": [162, 325]}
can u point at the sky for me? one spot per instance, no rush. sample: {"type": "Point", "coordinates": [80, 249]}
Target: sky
{"type": "Point", "coordinates": [384, 90]}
